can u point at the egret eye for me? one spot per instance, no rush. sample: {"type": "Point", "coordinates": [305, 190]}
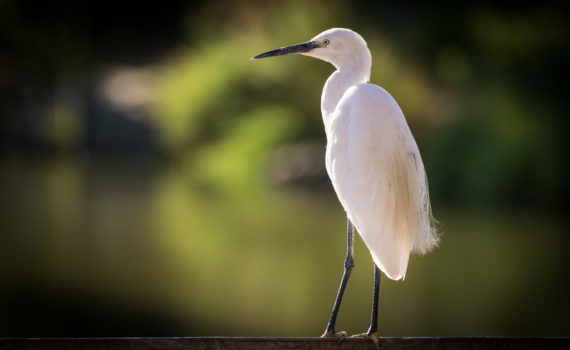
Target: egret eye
{"type": "Point", "coordinates": [326, 42]}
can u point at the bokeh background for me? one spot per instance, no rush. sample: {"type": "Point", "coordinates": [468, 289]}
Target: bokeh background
{"type": "Point", "coordinates": [154, 181]}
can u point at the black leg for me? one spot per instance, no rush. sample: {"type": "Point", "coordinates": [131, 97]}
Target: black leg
{"type": "Point", "coordinates": [374, 319]}
{"type": "Point", "coordinates": [348, 265]}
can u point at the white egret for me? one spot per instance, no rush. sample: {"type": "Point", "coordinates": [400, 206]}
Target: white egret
{"type": "Point", "coordinates": [373, 162]}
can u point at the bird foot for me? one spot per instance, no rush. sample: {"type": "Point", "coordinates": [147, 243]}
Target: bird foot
{"type": "Point", "coordinates": [372, 336]}
{"type": "Point", "coordinates": [332, 334]}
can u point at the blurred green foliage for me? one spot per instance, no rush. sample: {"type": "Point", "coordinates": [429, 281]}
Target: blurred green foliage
{"type": "Point", "coordinates": [471, 99]}
{"type": "Point", "coordinates": [183, 192]}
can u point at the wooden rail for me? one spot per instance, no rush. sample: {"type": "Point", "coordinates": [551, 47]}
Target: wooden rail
{"type": "Point", "coordinates": [204, 343]}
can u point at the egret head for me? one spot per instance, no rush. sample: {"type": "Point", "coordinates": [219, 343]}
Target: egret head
{"type": "Point", "coordinates": [338, 46]}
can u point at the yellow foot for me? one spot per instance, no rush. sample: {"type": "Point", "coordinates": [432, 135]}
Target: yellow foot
{"type": "Point", "coordinates": [371, 336]}
{"type": "Point", "coordinates": [331, 334]}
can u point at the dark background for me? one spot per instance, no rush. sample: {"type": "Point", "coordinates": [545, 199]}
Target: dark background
{"type": "Point", "coordinates": [154, 181]}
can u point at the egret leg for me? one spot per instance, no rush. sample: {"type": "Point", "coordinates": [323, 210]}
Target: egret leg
{"type": "Point", "coordinates": [372, 332]}
{"type": "Point", "coordinates": [374, 318]}
{"type": "Point", "coordinates": [348, 265]}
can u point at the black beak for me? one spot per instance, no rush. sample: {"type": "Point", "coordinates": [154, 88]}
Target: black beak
{"type": "Point", "coordinates": [299, 48]}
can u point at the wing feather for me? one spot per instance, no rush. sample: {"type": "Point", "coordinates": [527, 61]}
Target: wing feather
{"type": "Point", "coordinates": [377, 172]}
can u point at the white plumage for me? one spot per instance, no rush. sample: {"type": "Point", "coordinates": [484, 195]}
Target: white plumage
{"type": "Point", "coordinates": [378, 175]}
{"type": "Point", "coordinates": [373, 162]}
{"type": "Point", "coordinates": [372, 158]}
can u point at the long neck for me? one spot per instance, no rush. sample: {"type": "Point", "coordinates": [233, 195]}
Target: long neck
{"type": "Point", "coordinates": [347, 75]}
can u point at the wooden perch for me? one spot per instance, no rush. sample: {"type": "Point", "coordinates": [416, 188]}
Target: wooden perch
{"type": "Point", "coordinates": [203, 343]}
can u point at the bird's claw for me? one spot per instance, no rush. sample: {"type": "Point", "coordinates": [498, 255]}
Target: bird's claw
{"type": "Point", "coordinates": [332, 334]}
{"type": "Point", "coordinates": [372, 336]}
